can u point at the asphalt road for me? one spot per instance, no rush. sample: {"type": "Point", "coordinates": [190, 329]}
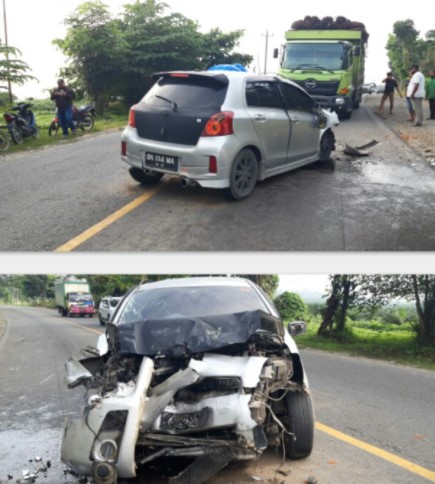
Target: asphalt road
{"type": "Point", "coordinates": [387, 406]}
{"type": "Point", "coordinates": [382, 202]}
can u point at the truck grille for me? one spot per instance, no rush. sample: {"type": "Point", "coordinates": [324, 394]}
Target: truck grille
{"type": "Point", "coordinates": [321, 88]}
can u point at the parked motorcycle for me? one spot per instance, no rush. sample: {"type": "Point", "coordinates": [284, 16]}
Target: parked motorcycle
{"type": "Point", "coordinates": [83, 118]}
{"type": "Point", "coordinates": [21, 124]}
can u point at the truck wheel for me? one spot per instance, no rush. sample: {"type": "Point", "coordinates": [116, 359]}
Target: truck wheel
{"type": "Point", "coordinates": [147, 177]}
{"type": "Point", "coordinates": [64, 312]}
{"type": "Point", "coordinates": [327, 146]}
{"type": "Point", "coordinates": [243, 175]}
{"type": "Point", "coordinates": [300, 422]}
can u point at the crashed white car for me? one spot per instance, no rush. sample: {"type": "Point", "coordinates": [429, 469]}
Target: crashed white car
{"type": "Point", "coordinates": [196, 367]}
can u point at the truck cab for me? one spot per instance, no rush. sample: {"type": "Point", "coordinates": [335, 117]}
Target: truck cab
{"type": "Point", "coordinates": [328, 64]}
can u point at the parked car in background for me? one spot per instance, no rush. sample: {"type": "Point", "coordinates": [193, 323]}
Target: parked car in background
{"type": "Point", "coordinates": [222, 129]}
{"type": "Point", "coordinates": [196, 367]}
{"type": "Point", "coordinates": [107, 308]}
{"type": "Point", "coordinates": [369, 88]}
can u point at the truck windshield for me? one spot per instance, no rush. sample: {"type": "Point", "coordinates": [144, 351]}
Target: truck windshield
{"type": "Point", "coordinates": [322, 56]}
{"type": "Point", "coordinates": [80, 298]}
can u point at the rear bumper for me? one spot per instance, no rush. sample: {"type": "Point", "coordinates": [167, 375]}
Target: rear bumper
{"type": "Point", "coordinates": [193, 160]}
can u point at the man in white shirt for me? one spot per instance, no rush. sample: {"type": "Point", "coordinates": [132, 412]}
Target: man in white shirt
{"type": "Point", "coordinates": [416, 93]}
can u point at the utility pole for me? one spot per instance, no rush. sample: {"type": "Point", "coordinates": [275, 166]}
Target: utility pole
{"type": "Point", "coordinates": [267, 35]}
{"type": "Point", "coordinates": [7, 52]}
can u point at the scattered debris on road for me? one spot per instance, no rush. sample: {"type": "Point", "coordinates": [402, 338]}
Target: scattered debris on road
{"type": "Point", "coordinates": [356, 150]}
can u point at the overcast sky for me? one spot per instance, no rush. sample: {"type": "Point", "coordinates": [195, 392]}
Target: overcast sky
{"type": "Point", "coordinates": [33, 24]}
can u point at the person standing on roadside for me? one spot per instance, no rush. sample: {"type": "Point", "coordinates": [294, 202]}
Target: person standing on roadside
{"type": "Point", "coordinates": [390, 85]}
{"type": "Point", "coordinates": [416, 93]}
{"type": "Point", "coordinates": [430, 93]}
{"type": "Point", "coordinates": [408, 99]}
{"type": "Point", "coordinates": [63, 96]}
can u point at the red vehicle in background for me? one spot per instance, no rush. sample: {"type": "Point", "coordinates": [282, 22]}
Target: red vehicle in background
{"type": "Point", "coordinates": [73, 297]}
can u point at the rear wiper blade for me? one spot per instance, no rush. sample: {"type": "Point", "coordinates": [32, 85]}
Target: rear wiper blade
{"type": "Point", "coordinates": [174, 104]}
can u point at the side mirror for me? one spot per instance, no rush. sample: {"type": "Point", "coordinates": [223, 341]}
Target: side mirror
{"type": "Point", "coordinates": [357, 50]}
{"type": "Point", "coordinates": [275, 53]}
{"type": "Point", "coordinates": [297, 327]}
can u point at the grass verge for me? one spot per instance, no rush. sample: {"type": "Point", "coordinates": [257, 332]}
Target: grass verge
{"type": "Point", "coordinates": [109, 121]}
{"type": "Point", "coordinates": [392, 344]}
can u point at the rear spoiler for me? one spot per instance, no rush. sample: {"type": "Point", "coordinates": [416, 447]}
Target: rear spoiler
{"type": "Point", "coordinates": [217, 77]}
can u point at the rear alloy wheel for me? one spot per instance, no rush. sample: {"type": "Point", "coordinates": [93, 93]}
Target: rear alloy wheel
{"type": "Point", "coordinates": [243, 175]}
{"type": "Point", "coordinates": [145, 177]}
{"type": "Point", "coordinates": [300, 422]}
{"type": "Point", "coordinates": [327, 146]}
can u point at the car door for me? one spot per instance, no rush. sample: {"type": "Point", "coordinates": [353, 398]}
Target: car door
{"type": "Point", "coordinates": [305, 134]}
{"type": "Point", "coordinates": [272, 125]}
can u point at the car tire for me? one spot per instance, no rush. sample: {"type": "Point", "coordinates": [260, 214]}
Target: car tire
{"type": "Point", "coordinates": [147, 177]}
{"type": "Point", "coordinates": [327, 146]}
{"type": "Point", "coordinates": [243, 175]}
{"type": "Point", "coordinates": [300, 422]}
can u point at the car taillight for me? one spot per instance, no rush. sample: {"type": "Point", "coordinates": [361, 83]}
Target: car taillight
{"type": "Point", "coordinates": [8, 117]}
{"type": "Point", "coordinates": [220, 124]}
{"type": "Point", "coordinates": [123, 148]}
{"type": "Point", "coordinates": [132, 118]}
{"type": "Point", "coordinates": [212, 164]}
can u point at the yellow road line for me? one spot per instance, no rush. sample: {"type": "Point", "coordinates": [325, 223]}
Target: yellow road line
{"type": "Point", "coordinates": [82, 327]}
{"type": "Point", "coordinates": [383, 454]}
{"type": "Point", "coordinates": [89, 233]}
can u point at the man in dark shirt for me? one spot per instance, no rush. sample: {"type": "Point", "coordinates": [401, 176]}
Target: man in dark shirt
{"type": "Point", "coordinates": [63, 96]}
{"type": "Point", "coordinates": [390, 85]}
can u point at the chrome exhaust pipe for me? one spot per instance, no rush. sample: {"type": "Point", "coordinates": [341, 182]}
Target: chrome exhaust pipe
{"type": "Point", "coordinates": [186, 182]}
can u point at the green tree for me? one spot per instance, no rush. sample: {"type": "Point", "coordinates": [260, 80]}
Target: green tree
{"type": "Point", "coordinates": [416, 288]}
{"type": "Point", "coordinates": [343, 295]}
{"type": "Point", "coordinates": [116, 57]}
{"type": "Point", "coordinates": [13, 69]}
{"type": "Point", "coordinates": [291, 306]}
{"type": "Point", "coordinates": [268, 282]}
{"type": "Point", "coordinates": [95, 49]}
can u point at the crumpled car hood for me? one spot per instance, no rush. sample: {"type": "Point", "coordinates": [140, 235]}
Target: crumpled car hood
{"type": "Point", "coordinates": [184, 336]}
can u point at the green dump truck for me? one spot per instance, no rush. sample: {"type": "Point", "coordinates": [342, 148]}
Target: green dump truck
{"type": "Point", "coordinates": [328, 63]}
{"type": "Point", "coordinates": [73, 297]}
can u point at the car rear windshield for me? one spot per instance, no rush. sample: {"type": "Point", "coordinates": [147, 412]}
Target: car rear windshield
{"type": "Point", "coordinates": [193, 92]}
{"type": "Point", "coordinates": [190, 302]}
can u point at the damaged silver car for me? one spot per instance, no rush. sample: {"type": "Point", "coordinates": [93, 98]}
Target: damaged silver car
{"type": "Point", "coordinates": [196, 367]}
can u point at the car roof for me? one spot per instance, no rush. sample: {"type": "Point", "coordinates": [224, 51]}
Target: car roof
{"type": "Point", "coordinates": [198, 281]}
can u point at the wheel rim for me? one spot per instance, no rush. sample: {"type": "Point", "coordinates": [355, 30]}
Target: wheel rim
{"type": "Point", "coordinates": [244, 177]}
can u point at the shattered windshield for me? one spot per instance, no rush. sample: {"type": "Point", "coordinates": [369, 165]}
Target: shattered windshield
{"type": "Point", "coordinates": [189, 302]}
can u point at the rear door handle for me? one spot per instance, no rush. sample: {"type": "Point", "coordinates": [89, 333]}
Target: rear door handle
{"type": "Point", "coordinates": [295, 120]}
{"type": "Point", "coordinates": [260, 118]}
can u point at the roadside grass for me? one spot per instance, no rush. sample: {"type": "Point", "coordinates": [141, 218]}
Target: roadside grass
{"type": "Point", "coordinates": [114, 118]}
{"type": "Point", "coordinates": [392, 343]}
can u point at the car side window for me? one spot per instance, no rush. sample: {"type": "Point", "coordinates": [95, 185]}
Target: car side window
{"type": "Point", "coordinates": [296, 99]}
{"type": "Point", "coordinates": [263, 94]}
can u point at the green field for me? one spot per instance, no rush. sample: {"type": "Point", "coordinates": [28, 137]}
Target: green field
{"type": "Point", "coordinates": [372, 339]}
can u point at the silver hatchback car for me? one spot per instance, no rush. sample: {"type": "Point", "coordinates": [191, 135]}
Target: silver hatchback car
{"type": "Point", "coordinates": [223, 129]}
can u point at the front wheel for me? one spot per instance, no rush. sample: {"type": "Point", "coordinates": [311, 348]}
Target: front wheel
{"type": "Point", "coordinates": [53, 129]}
{"type": "Point", "coordinates": [300, 422]}
{"type": "Point", "coordinates": [243, 175]}
{"type": "Point", "coordinates": [4, 142]}
{"type": "Point", "coordinates": [16, 135]}
{"type": "Point", "coordinates": [86, 123]}
{"type": "Point", "coordinates": [327, 146]}
{"type": "Point", "coordinates": [145, 177]}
